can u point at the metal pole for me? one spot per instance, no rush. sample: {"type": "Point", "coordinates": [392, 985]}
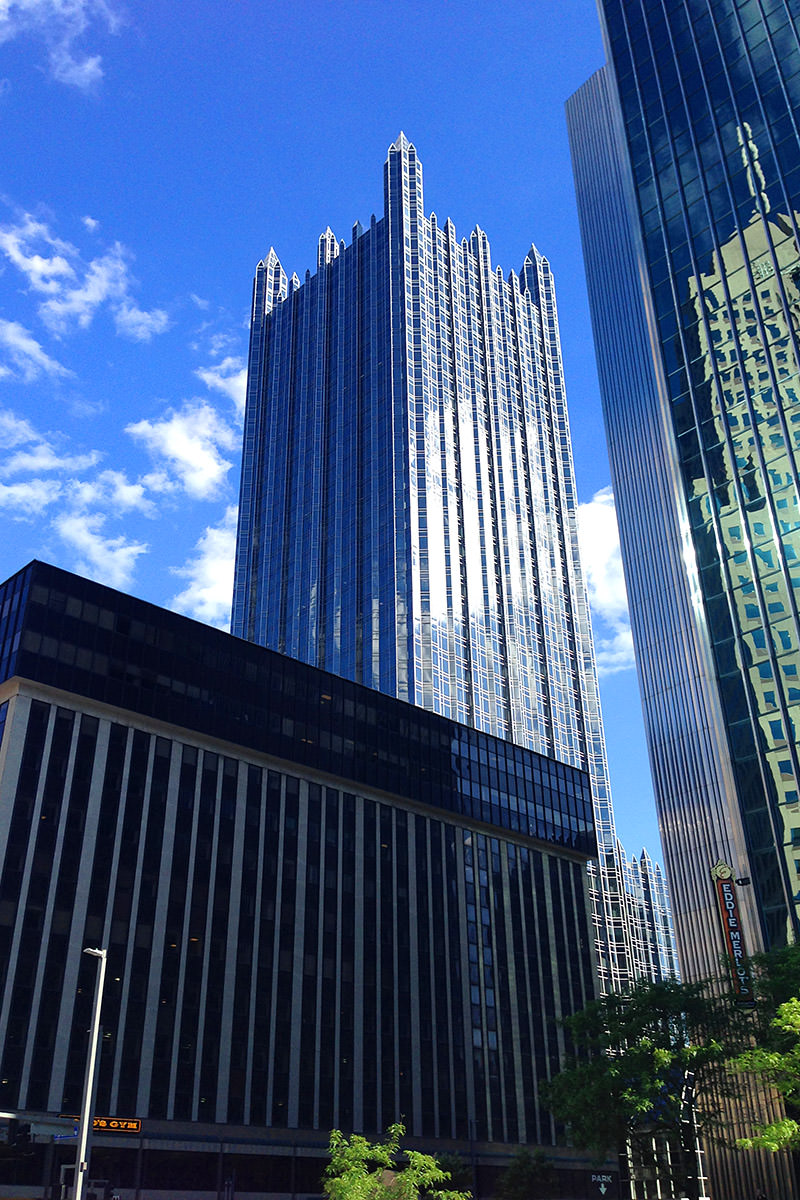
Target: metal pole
{"type": "Point", "coordinates": [81, 1164]}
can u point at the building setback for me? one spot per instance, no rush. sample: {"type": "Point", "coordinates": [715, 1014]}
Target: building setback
{"type": "Point", "coordinates": [323, 907]}
{"type": "Point", "coordinates": [408, 504]}
{"type": "Point", "coordinates": [687, 165]}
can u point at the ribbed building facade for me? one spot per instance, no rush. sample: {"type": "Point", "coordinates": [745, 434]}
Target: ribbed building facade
{"type": "Point", "coordinates": [687, 164]}
{"type": "Point", "coordinates": [408, 505]}
{"type": "Point", "coordinates": [323, 907]}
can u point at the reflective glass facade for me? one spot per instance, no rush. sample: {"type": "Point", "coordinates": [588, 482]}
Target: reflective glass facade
{"type": "Point", "coordinates": [649, 918]}
{"type": "Point", "coordinates": [708, 168]}
{"type": "Point", "coordinates": [407, 515]}
{"type": "Point", "coordinates": [687, 163]}
{"type": "Point", "coordinates": [323, 907]}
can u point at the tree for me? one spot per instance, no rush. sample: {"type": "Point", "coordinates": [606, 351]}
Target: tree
{"type": "Point", "coordinates": [776, 978]}
{"type": "Point", "coordinates": [774, 1053]}
{"type": "Point", "coordinates": [458, 1168]}
{"type": "Point", "coordinates": [638, 1058]}
{"type": "Point", "coordinates": [779, 1065]}
{"type": "Point", "coordinates": [525, 1176]}
{"type": "Point", "coordinates": [363, 1170]}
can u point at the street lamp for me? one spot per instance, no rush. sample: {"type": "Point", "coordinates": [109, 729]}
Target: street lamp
{"type": "Point", "coordinates": [81, 1164]}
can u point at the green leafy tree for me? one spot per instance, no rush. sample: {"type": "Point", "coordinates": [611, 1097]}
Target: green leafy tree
{"type": "Point", "coordinates": [363, 1170]}
{"type": "Point", "coordinates": [779, 1065]}
{"type": "Point", "coordinates": [772, 1048]}
{"type": "Point", "coordinates": [625, 1088]}
{"type": "Point", "coordinates": [527, 1175]}
{"type": "Point", "coordinates": [776, 977]}
{"type": "Point", "coordinates": [458, 1168]}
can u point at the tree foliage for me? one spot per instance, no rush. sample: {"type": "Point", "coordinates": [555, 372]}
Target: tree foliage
{"type": "Point", "coordinates": [363, 1170]}
{"type": "Point", "coordinates": [776, 977]}
{"type": "Point", "coordinates": [774, 1050]}
{"type": "Point", "coordinates": [458, 1168]}
{"type": "Point", "coordinates": [525, 1176]}
{"type": "Point", "coordinates": [633, 1055]}
{"type": "Point", "coordinates": [779, 1065]}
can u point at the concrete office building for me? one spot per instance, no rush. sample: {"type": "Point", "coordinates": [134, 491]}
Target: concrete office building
{"type": "Point", "coordinates": [323, 907]}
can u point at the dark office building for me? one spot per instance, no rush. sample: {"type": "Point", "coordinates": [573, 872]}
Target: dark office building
{"type": "Point", "coordinates": [687, 163]}
{"type": "Point", "coordinates": [323, 907]}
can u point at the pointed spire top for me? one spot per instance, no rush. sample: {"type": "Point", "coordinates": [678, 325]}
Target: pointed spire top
{"type": "Point", "coordinates": [276, 281]}
{"type": "Point", "coordinates": [328, 248]}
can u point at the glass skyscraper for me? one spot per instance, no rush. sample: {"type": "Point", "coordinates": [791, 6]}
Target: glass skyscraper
{"type": "Point", "coordinates": [688, 172]}
{"type": "Point", "coordinates": [687, 164]}
{"type": "Point", "coordinates": [408, 505]}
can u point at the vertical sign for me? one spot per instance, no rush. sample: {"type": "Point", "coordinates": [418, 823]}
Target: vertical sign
{"type": "Point", "coordinates": [732, 932]}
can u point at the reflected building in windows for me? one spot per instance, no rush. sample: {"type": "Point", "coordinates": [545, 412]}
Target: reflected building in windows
{"type": "Point", "coordinates": [648, 917]}
{"type": "Point", "coordinates": [408, 503]}
{"type": "Point", "coordinates": [687, 165]}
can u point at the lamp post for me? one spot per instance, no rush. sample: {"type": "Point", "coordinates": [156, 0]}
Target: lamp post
{"type": "Point", "coordinates": [81, 1163]}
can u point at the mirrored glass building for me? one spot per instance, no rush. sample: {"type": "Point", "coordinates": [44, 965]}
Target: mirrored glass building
{"type": "Point", "coordinates": [688, 172]}
{"type": "Point", "coordinates": [408, 505]}
{"type": "Point", "coordinates": [687, 165]}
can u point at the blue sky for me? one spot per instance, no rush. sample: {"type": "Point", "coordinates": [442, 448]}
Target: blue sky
{"type": "Point", "coordinates": [151, 153]}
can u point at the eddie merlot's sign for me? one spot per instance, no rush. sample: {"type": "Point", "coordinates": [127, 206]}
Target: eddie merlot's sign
{"type": "Point", "coordinates": [732, 931]}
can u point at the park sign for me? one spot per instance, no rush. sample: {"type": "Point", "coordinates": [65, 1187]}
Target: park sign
{"type": "Point", "coordinates": [604, 1184]}
{"type": "Point", "coordinates": [733, 934]}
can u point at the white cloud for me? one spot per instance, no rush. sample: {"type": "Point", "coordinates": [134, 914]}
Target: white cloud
{"type": "Point", "coordinates": [190, 442]}
{"type": "Point", "coordinates": [60, 24]}
{"type": "Point", "coordinates": [106, 278]}
{"type": "Point", "coordinates": [113, 492]}
{"type": "Point", "coordinates": [138, 325]}
{"type": "Point", "coordinates": [82, 73]}
{"type": "Point", "coordinates": [25, 353]}
{"type": "Point", "coordinates": [109, 560]}
{"type": "Point", "coordinates": [602, 566]}
{"type": "Point", "coordinates": [74, 289]}
{"type": "Point", "coordinates": [27, 500]}
{"type": "Point", "coordinates": [199, 301]}
{"type": "Point", "coordinates": [34, 453]}
{"type": "Point", "coordinates": [43, 457]}
{"type": "Point", "coordinates": [44, 273]}
{"type": "Point", "coordinates": [207, 597]}
{"type": "Point", "coordinates": [15, 430]}
{"type": "Point", "coordinates": [229, 377]}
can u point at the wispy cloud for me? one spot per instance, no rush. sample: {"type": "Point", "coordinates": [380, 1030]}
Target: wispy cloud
{"type": "Point", "coordinates": [44, 272]}
{"type": "Point", "coordinates": [108, 559]}
{"type": "Point", "coordinates": [228, 377]}
{"type": "Point", "coordinates": [207, 595]}
{"type": "Point", "coordinates": [27, 358]}
{"type": "Point", "coordinates": [138, 325]}
{"type": "Point", "coordinates": [602, 565]}
{"type": "Point", "coordinates": [112, 492]}
{"type": "Point", "coordinates": [187, 445]}
{"type": "Point", "coordinates": [43, 457]}
{"type": "Point", "coordinates": [28, 500]}
{"type": "Point", "coordinates": [74, 290]}
{"type": "Point", "coordinates": [105, 279]}
{"type": "Point", "coordinates": [14, 430]}
{"type": "Point", "coordinates": [34, 453]}
{"type": "Point", "coordinates": [86, 502]}
{"type": "Point", "coordinates": [61, 25]}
